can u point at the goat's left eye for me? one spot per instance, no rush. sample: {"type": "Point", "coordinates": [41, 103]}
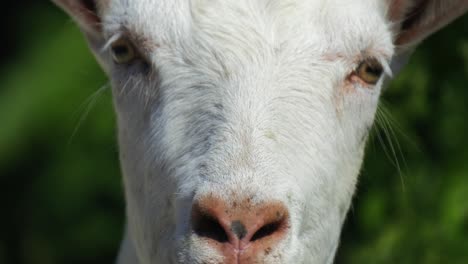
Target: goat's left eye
{"type": "Point", "coordinates": [370, 71]}
{"type": "Point", "coordinates": [123, 51]}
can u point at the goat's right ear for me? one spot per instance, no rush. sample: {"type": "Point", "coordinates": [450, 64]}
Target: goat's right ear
{"type": "Point", "coordinates": [86, 13]}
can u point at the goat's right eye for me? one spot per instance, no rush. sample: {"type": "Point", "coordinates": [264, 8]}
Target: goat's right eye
{"type": "Point", "coordinates": [123, 51]}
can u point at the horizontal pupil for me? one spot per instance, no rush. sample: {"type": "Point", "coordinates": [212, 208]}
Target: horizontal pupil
{"type": "Point", "coordinates": [120, 50]}
{"type": "Point", "coordinates": [374, 71]}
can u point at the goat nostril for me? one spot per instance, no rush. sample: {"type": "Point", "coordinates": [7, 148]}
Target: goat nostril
{"type": "Point", "coordinates": [205, 225]}
{"type": "Point", "coordinates": [269, 230]}
{"type": "Point", "coordinates": [235, 228]}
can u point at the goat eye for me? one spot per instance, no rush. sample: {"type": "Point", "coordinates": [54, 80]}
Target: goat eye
{"type": "Point", "coordinates": [370, 71]}
{"type": "Point", "coordinates": [123, 51]}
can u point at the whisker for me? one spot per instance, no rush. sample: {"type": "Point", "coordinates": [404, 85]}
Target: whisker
{"type": "Point", "coordinates": [395, 149]}
{"type": "Point", "coordinates": [124, 87]}
{"type": "Point", "coordinates": [86, 108]}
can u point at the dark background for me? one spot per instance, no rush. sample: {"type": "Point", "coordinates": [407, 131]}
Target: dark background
{"type": "Point", "coordinates": [60, 180]}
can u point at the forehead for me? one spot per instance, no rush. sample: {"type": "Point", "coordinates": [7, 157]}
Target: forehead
{"type": "Point", "coordinates": [346, 27]}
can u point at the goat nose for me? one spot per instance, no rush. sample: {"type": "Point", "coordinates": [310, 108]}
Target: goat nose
{"type": "Point", "coordinates": [240, 228]}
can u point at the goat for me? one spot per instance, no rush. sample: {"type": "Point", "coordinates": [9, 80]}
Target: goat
{"type": "Point", "coordinates": [242, 123]}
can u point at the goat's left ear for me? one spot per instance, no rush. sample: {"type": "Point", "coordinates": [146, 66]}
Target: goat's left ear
{"type": "Point", "coordinates": [86, 13]}
{"type": "Point", "coordinates": [417, 19]}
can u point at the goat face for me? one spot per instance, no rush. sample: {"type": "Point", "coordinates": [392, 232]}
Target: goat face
{"type": "Point", "coordinates": [242, 124]}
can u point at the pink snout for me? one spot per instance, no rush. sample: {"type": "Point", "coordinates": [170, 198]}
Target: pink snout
{"type": "Point", "coordinates": [242, 232]}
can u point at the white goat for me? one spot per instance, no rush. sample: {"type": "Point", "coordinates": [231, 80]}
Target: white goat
{"type": "Point", "coordinates": [242, 123]}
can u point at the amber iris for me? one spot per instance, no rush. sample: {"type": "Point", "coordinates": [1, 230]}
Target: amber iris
{"type": "Point", "coordinates": [123, 51]}
{"type": "Point", "coordinates": [370, 71]}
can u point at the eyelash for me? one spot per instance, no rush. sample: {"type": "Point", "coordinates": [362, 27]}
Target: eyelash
{"type": "Point", "coordinates": [124, 53]}
{"type": "Point", "coordinates": [368, 72]}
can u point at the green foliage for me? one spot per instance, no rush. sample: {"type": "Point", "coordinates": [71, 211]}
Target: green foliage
{"type": "Point", "coordinates": [61, 183]}
{"type": "Point", "coordinates": [411, 205]}
{"type": "Point", "coordinates": [61, 190]}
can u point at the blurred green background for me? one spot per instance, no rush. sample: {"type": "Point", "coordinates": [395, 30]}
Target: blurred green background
{"type": "Point", "coordinates": [59, 173]}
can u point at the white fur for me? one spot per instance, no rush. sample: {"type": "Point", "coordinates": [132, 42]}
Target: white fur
{"type": "Point", "coordinates": [284, 131]}
{"type": "Point", "coordinates": [245, 99]}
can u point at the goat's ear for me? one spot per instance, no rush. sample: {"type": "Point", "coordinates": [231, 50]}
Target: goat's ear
{"type": "Point", "coordinates": [417, 19]}
{"type": "Point", "coordinates": [85, 12]}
